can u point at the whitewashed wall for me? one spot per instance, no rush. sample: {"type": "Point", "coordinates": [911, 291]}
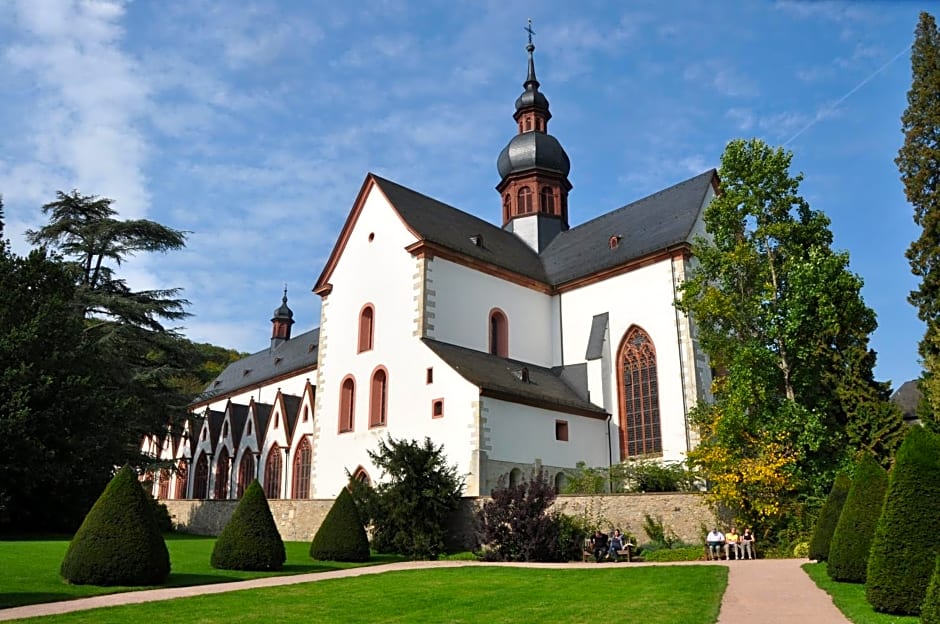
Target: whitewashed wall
{"type": "Point", "coordinates": [644, 298]}
{"type": "Point", "coordinates": [462, 301]}
{"type": "Point", "coordinates": [381, 272]}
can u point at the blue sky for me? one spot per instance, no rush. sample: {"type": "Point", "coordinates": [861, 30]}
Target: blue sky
{"type": "Point", "coordinates": [252, 124]}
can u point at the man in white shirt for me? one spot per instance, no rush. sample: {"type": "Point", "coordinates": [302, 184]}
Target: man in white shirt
{"type": "Point", "coordinates": [714, 542]}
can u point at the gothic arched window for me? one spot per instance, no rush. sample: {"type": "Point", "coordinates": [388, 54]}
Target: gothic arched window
{"type": "Point", "coordinates": [272, 473]}
{"type": "Point", "coordinates": [246, 473]}
{"type": "Point", "coordinates": [182, 477]}
{"type": "Point", "coordinates": [201, 478]}
{"type": "Point", "coordinates": [221, 475]}
{"type": "Point", "coordinates": [640, 428]}
{"type": "Point", "coordinates": [303, 458]}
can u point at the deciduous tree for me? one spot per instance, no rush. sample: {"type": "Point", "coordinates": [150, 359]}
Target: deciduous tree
{"type": "Point", "coordinates": [781, 315]}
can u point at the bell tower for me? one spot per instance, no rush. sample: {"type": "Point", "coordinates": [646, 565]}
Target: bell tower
{"type": "Point", "coordinates": [281, 323]}
{"type": "Point", "coordinates": [533, 169]}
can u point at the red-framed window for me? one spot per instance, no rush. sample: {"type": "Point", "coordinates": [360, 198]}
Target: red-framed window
{"type": "Point", "coordinates": [246, 473]}
{"type": "Point", "coordinates": [272, 473]}
{"type": "Point", "coordinates": [640, 426]}
{"type": "Point", "coordinates": [366, 328]}
{"type": "Point", "coordinates": [201, 478]}
{"type": "Point", "coordinates": [378, 398]}
{"type": "Point", "coordinates": [499, 333]}
{"type": "Point", "coordinates": [303, 459]}
{"type": "Point", "coordinates": [221, 475]}
{"type": "Point", "coordinates": [347, 405]}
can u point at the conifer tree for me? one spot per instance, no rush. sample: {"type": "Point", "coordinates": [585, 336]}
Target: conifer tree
{"type": "Point", "coordinates": [919, 164]}
{"type": "Point", "coordinates": [851, 542]}
{"type": "Point", "coordinates": [905, 547]}
{"type": "Point", "coordinates": [341, 536]}
{"type": "Point", "coordinates": [828, 518]}
{"type": "Point", "coordinates": [250, 540]}
{"type": "Point", "coordinates": [930, 610]}
{"type": "Point", "coordinates": [119, 543]}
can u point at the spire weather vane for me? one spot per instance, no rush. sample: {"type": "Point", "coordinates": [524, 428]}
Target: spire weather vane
{"type": "Point", "coordinates": [529, 30]}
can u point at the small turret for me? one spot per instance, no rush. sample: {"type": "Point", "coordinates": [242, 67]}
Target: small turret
{"type": "Point", "coordinates": [281, 322]}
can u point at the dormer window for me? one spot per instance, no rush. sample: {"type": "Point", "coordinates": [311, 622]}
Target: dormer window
{"type": "Point", "coordinates": [614, 241]}
{"type": "Point", "coordinates": [525, 375]}
{"type": "Point", "coordinates": [477, 240]}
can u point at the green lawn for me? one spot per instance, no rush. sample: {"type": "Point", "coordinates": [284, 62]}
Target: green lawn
{"type": "Point", "coordinates": [652, 595]}
{"type": "Point", "coordinates": [850, 599]}
{"type": "Point", "coordinates": [29, 573]}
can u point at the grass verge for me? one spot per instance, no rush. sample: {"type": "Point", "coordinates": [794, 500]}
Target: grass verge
{"type": "Point", "coordinates": [479, 593]}
{"type": "Point", "coordinates": [30, 570]}
{"type": "Point", "coordinates": [850, 599]}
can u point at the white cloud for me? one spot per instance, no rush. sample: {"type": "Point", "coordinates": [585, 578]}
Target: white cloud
{"type": "Point", "coordinates": [723, 78]}
{"type": "Point", "coordinates": [742, 118]}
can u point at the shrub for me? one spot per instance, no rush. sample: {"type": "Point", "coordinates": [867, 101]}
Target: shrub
{"type": "Point", "coordinates": [905, 547]}
{"type": "Point", "coordinates": [930, 610]}
{"type": "Point", "coordinates": [250, 539]}
{"type": "Point", "coordinates": [412, 508]}
{"type": "Point", "coordinates": [657, 476]}
{"type": "Point", "coordinates": [119, 542]}
{"type": "Point", "coordinates": [828, 518]}
{"type": "Point", "coordinates": [659, 535]}
{"type": "Point", "coordinates": [515, 524]}
{"type": "Point", "coordinates": [851, 542]}
{"type": "Point", "coordinates": [341, 536]}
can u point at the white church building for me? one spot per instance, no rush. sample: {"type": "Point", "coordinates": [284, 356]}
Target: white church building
{"type": "Point", "coordinates": [526, 344]}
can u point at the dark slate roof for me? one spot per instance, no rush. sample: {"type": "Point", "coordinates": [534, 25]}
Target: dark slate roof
{"type": "Point", "coordinates": [656, 222]}
{"type": "Point", "coordinates": [215, 427]}
{"type": "Point", "coordinates": [294, 354]}
{"type": "Point", "coordinates": [262, 416]}
{"type": "Point", "coordinates": [454, 229]}
{"type": "Point", "coordinates": [238, 414]}
{"type": "Point", "coordinates": [595, 346]}
{"type": "Point", "coordinates": [653, 223]}
{"type": "Point", "coordinates": [291, 409]}
{"type": "Point", "coordinates": [502, 377]}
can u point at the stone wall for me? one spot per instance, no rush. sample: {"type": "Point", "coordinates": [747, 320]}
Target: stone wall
{"type": "Point", "coordinates": [298, 520]}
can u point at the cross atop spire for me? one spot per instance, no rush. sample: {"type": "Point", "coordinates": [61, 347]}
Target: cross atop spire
{"type": "Point", "coordinates": [529, 30]}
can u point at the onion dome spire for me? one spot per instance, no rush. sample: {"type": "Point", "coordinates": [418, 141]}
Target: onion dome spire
{"type": "Point", "coordinates": [281, 322]}
{"type": "Point", "coordinates": [533, 168]}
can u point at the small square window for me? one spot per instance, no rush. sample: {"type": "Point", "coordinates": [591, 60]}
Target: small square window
{"type": "Point", "coordinates": [430, 375]}
{"type": "Point", "coordinates": [561, 430]}
{"type": "Point", "coordinates": [437, 408]}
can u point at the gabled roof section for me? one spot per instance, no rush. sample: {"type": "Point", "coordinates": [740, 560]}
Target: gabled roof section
{"type": "Point", "coordinates": [436, 222]}
{"type": "Point", "coordinates": [215, 427]}
{"type": "Point", "coordinates": [291, 411]}
{"type": "Point", "coordinates": [504, 379]}
{"type": "Point", "coordinates": [657, 222]}
{"type": "Point", "coordinates": [238, 414]}
{"type": "Point", "coordinates": [298, 353]}
{"type": "Point", "coordinates": [262, 414]}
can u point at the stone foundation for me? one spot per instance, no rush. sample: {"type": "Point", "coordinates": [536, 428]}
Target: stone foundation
{"type": "Point", "coordinates": [685, 514]}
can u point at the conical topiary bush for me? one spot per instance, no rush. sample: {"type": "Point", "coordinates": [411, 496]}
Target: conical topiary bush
{"type": "Point", "coordinates": [250, 540]}
{"type": "Point", "coordinates": [930, 610]}
{"type": "Point", "coordinates": [905, 547]}
{"type": "Point", "coordinates": [828, 518]}
{"type": "Point", "coordinates": [341, 537]}
{"type": "Point", "coordinates": [119, 542]}
{"type": "Point", "coordinates": [851, 542]}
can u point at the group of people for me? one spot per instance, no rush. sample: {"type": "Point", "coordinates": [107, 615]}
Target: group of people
{"type": "Point", "coordinates": [741, 546]}
{"type": "Point", "coordinates": [604, 546]}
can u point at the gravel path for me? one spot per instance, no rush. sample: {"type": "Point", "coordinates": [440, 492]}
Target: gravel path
{"type": "Point", "coordinates": [765, 591]}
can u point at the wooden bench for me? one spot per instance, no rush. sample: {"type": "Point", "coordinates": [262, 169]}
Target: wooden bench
{"type": "Point", "coordinates": [587, 553]}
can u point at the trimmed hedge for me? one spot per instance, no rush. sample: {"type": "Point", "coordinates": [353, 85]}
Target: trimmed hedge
{"type": "Point", "coordinates": [683, 553]}
{"type": "Point", "coordinates": [829, 518]}
{"type": "Point", "coordinates": [341, 536]}
{"type": "Point", "coordinates": [250, 540]}
{"type": "Point", "coordinates": [119, 542]}
{"type": "Point", "coordinates": [930, 610]}
{"type": "Point", "coordinates": [851, 542]}
{"type": "Point", "coordinates": [905, 547]}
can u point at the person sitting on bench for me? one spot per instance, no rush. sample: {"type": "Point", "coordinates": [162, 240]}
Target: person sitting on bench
{"type": "Point", "coordinates": [616, 545]}
{"type": "Point", "coordinates": [599, 545]}
{"type": "Point", "coordinates": [714, 542]}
